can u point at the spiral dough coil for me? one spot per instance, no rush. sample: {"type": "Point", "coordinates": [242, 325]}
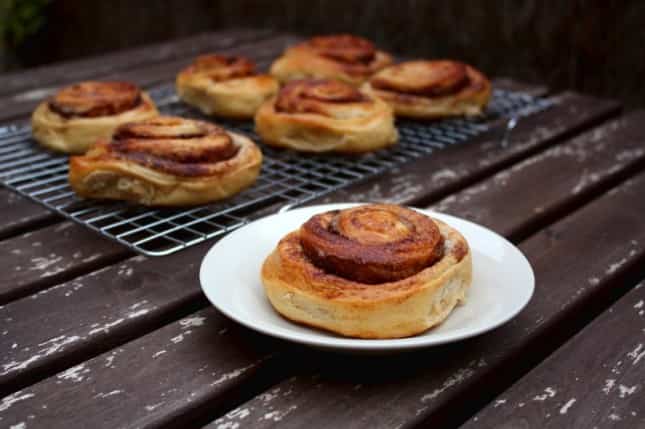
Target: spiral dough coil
{"type": "Point", "coordinates": [431, 89]}
{"type": "Point", "coordinates": [167, 161]}
{"type": "Point", "coordinates": [373, 271]}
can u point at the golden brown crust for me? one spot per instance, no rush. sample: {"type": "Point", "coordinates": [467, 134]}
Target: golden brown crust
{"type": "Point", "coordinates": [305, 292]}
{"type": "Point", "coordinates": [350, 59]}
{"type": "Point", "coordinates": [227, 86]}
{"type": "Point", "coordinates": [431, 89]}
{"type": "Point", "coordinates": [324, 116]}
{"type": "Point", "coordinates": [167, 161]}
{"type": "Point", "coordinates": [79, 115]}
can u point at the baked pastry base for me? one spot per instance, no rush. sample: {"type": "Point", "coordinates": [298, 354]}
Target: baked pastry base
{"type": "Point", "coordinates": [120, 179]}
{"type": "Point", "coordinates": [305, 294]}
{"type": "Point", "coordinates": [308, 132]}
{"type": "Point", "coordinates": [235, 98]}
{"type": "Point", "coordinates": [465, 103]}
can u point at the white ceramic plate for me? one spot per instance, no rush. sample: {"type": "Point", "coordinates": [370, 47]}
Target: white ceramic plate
{"type": "Point", "coordinates": [503, 283]}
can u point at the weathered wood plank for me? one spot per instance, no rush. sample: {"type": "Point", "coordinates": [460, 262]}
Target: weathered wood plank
{"type": "Point", "coordinates": [22, 214]}
{"type": "Point", "coordinates": [49, 255]}
{"type": "Point", "coordinates": [95, 312]}
{"type": "Point", "coordinates": [430, 178]}
{"type": "Point", "coordinates": [594, 380]}
{"type": "Point", "coordinates": [567, 175]}
{"type": "Point", "coordinates": [443, 385]}
{"type": "Point", "coordinates": [34, 80]}
{"type": "Point", "coordinates": [221, 359]}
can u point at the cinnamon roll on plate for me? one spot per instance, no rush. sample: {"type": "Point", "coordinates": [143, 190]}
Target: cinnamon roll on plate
{"type": "Point", "coordinates": [226, 86]}
{"type": "Point", "coordinates": [325, 116]}
{"type": "Point", "coordinates": [371, 271]}
{"type": "Point", "coordinates": [431, 89]}
{"type": "Point", "coordinates": [167, 161]}
{"type": "Point", "coordinates": [350, 59]}
{"type": "Point", "coordinates": [76, 116]}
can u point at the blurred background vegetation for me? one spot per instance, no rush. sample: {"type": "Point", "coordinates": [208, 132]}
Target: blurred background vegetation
{"type": "Point", "coordinates": [590, 46]}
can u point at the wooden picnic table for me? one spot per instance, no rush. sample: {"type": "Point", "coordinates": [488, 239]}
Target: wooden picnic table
{"type": "Point", "coordinates": [94, 335]}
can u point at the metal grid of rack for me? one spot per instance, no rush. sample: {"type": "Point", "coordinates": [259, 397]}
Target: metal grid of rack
{"type": "Point", "coordinates": [287, 178]}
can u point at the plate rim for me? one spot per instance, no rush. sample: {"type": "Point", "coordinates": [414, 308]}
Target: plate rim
{"type": "Point", "coordinates": [360, 344]}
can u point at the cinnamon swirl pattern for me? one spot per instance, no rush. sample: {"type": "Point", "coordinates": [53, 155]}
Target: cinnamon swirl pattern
{"type": "Point", "coordinates": [348, 58]}
{"type": "Point", "coordinates": [225, 86]}
{"type": "Point", "coordinates": [372, 271]}
{"type": "Point", "coordinates": [76, 116]}
{"type": "Point", "coordinates": [167, 161]}
{"type": "Point", "coordinates": [324, 116]}
{"type": "Point", "coordinates": [431, 89]}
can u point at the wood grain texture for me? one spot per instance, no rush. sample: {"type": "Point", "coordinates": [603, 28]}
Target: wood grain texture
{"type": "Point", "coordinates": [83, 317]}
{"type": "Point", "coordinates": [41, 258]}
{"type": "Point", "coordinates": [24, 214]}
{"type": "Point", "coordinates": [595, 380]}
{"type": "Point", "coordinates": [443, 385]}
{"type": "Point", "coordinates": [430, 178]}
{"type": "Point", "coordinates": [200, 363]}
{"type": "Point", "coordinates": [559, 179]}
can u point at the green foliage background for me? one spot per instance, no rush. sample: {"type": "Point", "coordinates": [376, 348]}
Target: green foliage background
{"type": "Point", "coordinates": [20, 19]}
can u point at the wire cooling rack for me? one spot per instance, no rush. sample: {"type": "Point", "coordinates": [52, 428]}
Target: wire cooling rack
{"type": "Point", "coordinates": [286, 178]}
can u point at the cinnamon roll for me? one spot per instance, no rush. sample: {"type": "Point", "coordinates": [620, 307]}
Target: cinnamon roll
{"type": "Point", "coordinates": [167, 161]}
{"type": "Point", "coordinates": [226, 86]}
{"type": "Point", "coordinates": [431, 89]}
{"type": "Point", "coordinates": [372, 271]}
{"type": "Point", "coordinates": [324, 116]}
{"type": "Point", "coordinates": [348, 58]}
{"type": "Point", "coordinates": [76, 116]}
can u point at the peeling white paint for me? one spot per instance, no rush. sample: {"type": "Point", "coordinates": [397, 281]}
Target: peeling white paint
{"type": "Point", "coordinates": [105, 328]}
{"type": "Point", "coordinates": [549, 392]}
{"type": "Point", "coordinates": [108, 394]}
{"type": "Point", "coordinates": [637, 354]}
{"type": "Point", "coordinates": [192, 321]}
{"type": "Point", "coordinates": [232, 374]}
{"type": "Point", "coordinates": [625, 391]}
{"type": "Point", "coordinates": [609, 384]}
{"type": "Point", "coordinates": [565, 407]}
{"type": "Point", "coordinates": [458, 377]}
{"type": "Point", "coordinates": [153, 407]}
{"type": "Point", "coordinates": [74, 374]}
{"type": "Point", "coordinates": [278, 415]}
{"type": "Point", "coordinates": [18, 396]}
{"type": "Point", "coordinates": [46, 348]}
